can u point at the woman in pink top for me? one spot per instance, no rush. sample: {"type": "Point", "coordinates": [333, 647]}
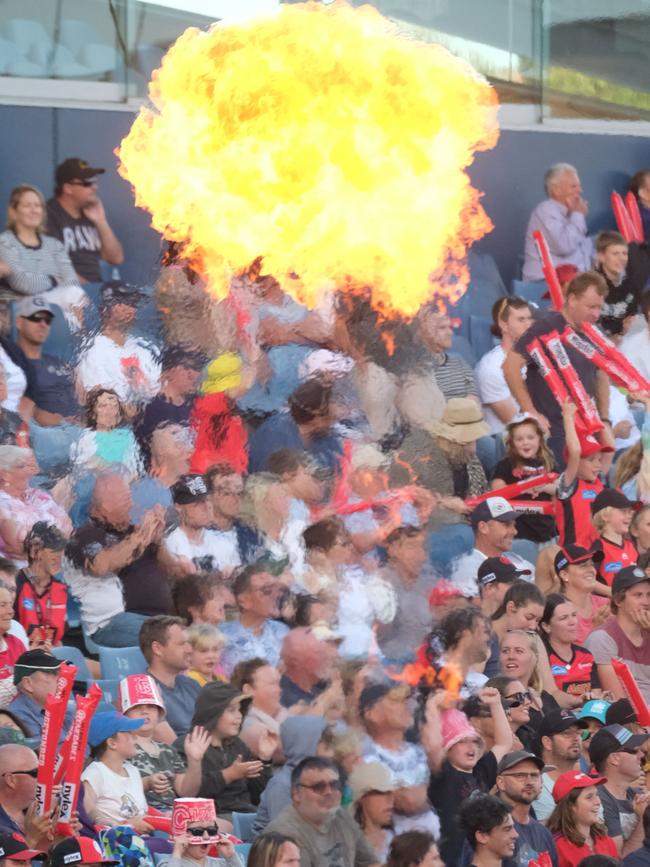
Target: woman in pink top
{"type": "Point", "coordinates": [576, 569]}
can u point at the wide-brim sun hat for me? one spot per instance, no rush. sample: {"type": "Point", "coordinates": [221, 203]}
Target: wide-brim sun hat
{"type": "Point", "coordinates": [462, 422]}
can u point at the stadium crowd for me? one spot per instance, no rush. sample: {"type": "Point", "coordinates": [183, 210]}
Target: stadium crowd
{"type": "Point", "coordinates": [263, 531]}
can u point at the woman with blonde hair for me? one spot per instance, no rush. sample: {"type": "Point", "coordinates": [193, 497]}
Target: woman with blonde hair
{"type": "Point", "coordinates": [274, 850]}
{"type": "Point", "coordinates": [34, 263]}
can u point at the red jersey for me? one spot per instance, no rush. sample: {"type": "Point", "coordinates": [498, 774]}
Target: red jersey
{"type": "Point", "coordinates": [8, 656]}
{"type": "Point", "coordinates": [569, 854]}
{"type": "Point", "coordinates": [575, 676]}
{"type": "Point", "coordinates": [615, 557]}
{"type": "Point", "coordinates": [573, 512]}
{"type": "Point", "coordinates": [47, 609]}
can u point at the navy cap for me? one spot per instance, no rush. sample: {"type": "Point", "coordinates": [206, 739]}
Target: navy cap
{"type": "Point", "coordinates": [559, 720]}
{"type": "Point", "coordinates": [612, 499]}
{"type": "Point", "coordinates": [35, 660]}
{"type": "Point", "coordinates": [571, 554]}
{"type": "Point", "coordinates": [499, 569]}
{"type": "Point", "coordinates": [189, 488]}
{"type": "Point", "coordinates": [493, 509]}
{"type": "Point", "coordinates": [108, 723]}
{"type": "Point", "coordinates": [117, 292]}
{"type": "Point", "coordinates": [613, 739]}
{"type": "Point", "coordinates": [627, 577]}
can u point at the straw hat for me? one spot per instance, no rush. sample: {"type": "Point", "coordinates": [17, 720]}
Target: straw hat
{"type": "Point", "coordinates": [461, 422]}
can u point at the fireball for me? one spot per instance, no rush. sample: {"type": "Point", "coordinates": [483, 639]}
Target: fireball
{"type": "Point", "coordinates": [322, 140]}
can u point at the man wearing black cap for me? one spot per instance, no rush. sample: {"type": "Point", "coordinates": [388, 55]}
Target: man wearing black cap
{"type": "Point", "coordinates": [115, 358]}
{"type": "Point", "coordinates": [561, 747]}
{"type": "Point", "coordinates": [35, 676]}
{"type": "Point", "coordinates": [80, 852]}
{"type": "Point", "coordinates": [41, 600]}
{"type": "Point", "coordinates": [626, 633]}
{"type": "Point", "coordinates": [76, 216]}
{"type": "Point", "coordinates": [493, 523]}
{"type": "Point", "coordinates": [617, 754]}
{"type": "Point", "coordinates": [180, 370]}
{"type": "Point", "coordinates": [192, 546]}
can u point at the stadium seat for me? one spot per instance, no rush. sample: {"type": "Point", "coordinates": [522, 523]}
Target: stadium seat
{"type": "Point", "coordinates": [109, 688]}
{"type": "Point", "coordinates": [532, 291]}
{"type": "Point", "coordinates": [242, 826]}
{"type": "Point", "coordinates": [119, 662]}
{"type": "Point", "coordinates": [73, 612]}
{"type": "Point", "coordinates": [91, 647]}
{"type": "Point", "coordinates": [461, 346]}
{"type": "Point", "coordinates": [76, 657]}
{"type": "Point", "coordinates": [480, 337]}
{"type": "Point", "coordinates": [483, 269]}
{"type": "Point", "coordinates": [243, 850]}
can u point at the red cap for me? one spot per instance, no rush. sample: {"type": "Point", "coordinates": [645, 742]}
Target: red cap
{"type": "Point", "coordinates": [589, 445]}
{"type": "Point", "coordinates": [570, 780]}
{"type": "Point", "coordinates": [565, 274]}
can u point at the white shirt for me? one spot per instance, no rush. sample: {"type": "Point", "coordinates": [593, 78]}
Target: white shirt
{"type": "Point", "coordinates": [215, 550]}
{"type": "Point", "coordinates": [492, 386]}
{"type": "Point", "coordinates": [16, 382]}
{"type": "Point", "coordinates": [118, 798]}
{"type": "Point", "coordinates": [619, 410]}
{"type": "Point", "coordinates": [130, 370]}
{"type": "Point", "coordinates": [466, 568]}
{"type": "Point", "coordinates": [636, 348]}
{"type": "Point", "coordinates": [100, 598]}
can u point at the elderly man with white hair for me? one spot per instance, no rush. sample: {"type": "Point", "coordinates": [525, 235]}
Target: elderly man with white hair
{"type": "Point", "coordinates": [561, 218]}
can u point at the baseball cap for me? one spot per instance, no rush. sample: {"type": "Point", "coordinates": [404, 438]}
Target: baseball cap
{"type": "Point", "coordinates": [621, 712]}
{"type": "Point", "coordinates": [117, 292]}
{"type": "Point", "coordinates": [32, 305]}
{"type": "Point", "coordinates": [75, 169]}
{"type": "Point", "coordinates": [370, 695]}
{"type": "Point", "coordinates": [627, 577]}
{"type": "Point", "coordinates": [595, 709]}
{"type": "Point", "coordinates": [610, 498]}
{"type": "Point", "coordinates": [324, 632]}
{"type": "Point", "coordinates": [570, 780]}
{"type": "Point", "coordinates": [108, 723]}
{"type": "Point", "coordinates": [589, 445]}
{"type": "Point", "coordinates": [613, 739]}
{"type": "Point", "coordinates": [32, 661]}
{"type": "Point", "coordinates": [181, 356]}
{"type": "Point", "coordinates": [47, 535]}
{"type": "Point", "coordinates": [571, 554]}
{"type": "Point", "coordinates": [78, 850]}
{"type": "Point", "coordinates": [15, 847]}
{"type": "Point", "coordinates": [189, 488]}
{"type": "Point", "coordinates": [370, 777]}
{"type": "Point", "coordinates": [500, 570]}
{"type": "Point", "coordinates": [493, 509]}
{"type": "Point", "coordinates": [517, 756]}
{"type": "Point", "coordinates": [559, 720]}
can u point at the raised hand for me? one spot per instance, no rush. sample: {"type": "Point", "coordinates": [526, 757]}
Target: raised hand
{"type": "Point", "coordinates": [196, 743]}
{"type": "Point", "coordinates": [267, 745]}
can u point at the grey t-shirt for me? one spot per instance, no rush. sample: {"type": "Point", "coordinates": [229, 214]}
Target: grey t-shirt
{"type": "Point", "coordinates": [340, 844]}
{"type": "Point", "coordinates": [412, 621]}
{"type": "Point", "coordinates": [620, 818]}
{"type": "Point", "coordinates": [179, 702]}
{"type": "Point", "coordinates": [604, 647]}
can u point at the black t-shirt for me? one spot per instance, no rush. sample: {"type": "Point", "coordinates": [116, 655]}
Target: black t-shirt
{"type": "Point", "coordinates": [540, 393]}
{"type": "Point", "coordinates": [146, 588]}
{"type": "Point", "coordinates": [536, 528]}
{"type": "Point", "coordinates": [447, 790]}
{"type": "Point", "coordinates": [80, 238]}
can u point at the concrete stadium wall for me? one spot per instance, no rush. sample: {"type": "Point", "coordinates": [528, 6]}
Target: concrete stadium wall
{"type": "Point", "coordinates": [34, 140]}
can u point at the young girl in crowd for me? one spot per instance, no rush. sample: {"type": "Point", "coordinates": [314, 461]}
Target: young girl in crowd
{"type": "Point", "coordinates": [113, 789]}
{"type": "Point", "coordinates": [207, 643]}
{"type": "Point", "coordinates": [164, 773]}
{"type": "Point", "coordinates": [576, 822]}
{"type": "Point", "coordinates": [580, 483]}
{"type": "Point", "coordinates": [527, 455]}
{"type": "Point", "coordinates": [572, 666]}
{"type": "Point", "coordinates": [611, 516]}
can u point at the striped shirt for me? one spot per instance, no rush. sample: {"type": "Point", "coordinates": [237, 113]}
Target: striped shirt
{"type": "Point", "coordinates": [35, 270]}
{"type": "Point", "coordinates": [454, 376]}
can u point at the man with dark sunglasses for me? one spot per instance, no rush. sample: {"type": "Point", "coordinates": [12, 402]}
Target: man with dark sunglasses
{"type": "Point", "coordinates": [76, 216]}
{"type": "Point", "coordinates": [326, 835]}
{"type": "Point", "coordinates": [18, 768]}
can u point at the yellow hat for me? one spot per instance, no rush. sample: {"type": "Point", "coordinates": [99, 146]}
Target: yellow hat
{"type": "Point", "coordinates": [222, 373]}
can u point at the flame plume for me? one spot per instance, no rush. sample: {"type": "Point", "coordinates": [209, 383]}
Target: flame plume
{"type": "Point", "coordinates": [322, 140]}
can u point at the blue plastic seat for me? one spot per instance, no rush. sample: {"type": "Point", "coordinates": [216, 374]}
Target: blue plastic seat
{"type": "Point", "coordinates": [480, 337]}
{"type": "Point", "coordinates": [76, 657]}
{"type": "Point", "coordinates": [243, 850]}
{"type": "Point", "coordinates": [109, 688]}
{"type": "Point", "coordinates": [532, 291]}
{"type": "Point", "coordinates": [242, 826]}
{"type": "Point", "coordinates": [461, 346]}
{"type": "Point", "coordinates": [119, 662]}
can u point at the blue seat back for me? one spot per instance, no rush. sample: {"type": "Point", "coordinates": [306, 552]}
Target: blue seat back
{"type": "Point", "coordinates": [461, 346]}
{"type": "Point", "coordinates": [110, 689]}
{"type": "Point", "coordinates": [76, 657]}
{"type": "Point", "coordinates": [243, 850]}
{"type": "Point", "coordinates": [480, 337]}
{"type": "Point", "coordinates": [532, 292]}
{"type": "Point", "coordinates": [242, 825]}
{"type": "Point", "coordinates": [119, 662]}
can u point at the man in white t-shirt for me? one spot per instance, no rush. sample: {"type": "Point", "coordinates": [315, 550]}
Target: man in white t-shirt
{"type": "Point", "coordinates": [192, 546]}
{"type": "Point", "coordinates": [115, 359]}
{"type": "Point", "coordinates": [635, 346]}
{"type": "Point", "coordinates": [512, 317]}
{"type": "Point", "coordinates": [493, 522]}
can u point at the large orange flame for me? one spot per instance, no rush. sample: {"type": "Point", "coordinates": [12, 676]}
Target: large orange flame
{"type": "Point", "coordinates": [322, 140]}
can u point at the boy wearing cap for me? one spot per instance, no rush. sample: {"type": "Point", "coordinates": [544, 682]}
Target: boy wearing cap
{"type": "Point", "coordinates": [14, 849]}
{"type": "Point", "coordinates": [617, 755]}
{"type": "Point", "coordinates": [611, 515]}
{"type": "Point", "coordinates": [493, 523]}
{"type": "Point", "coordinates": [76, 216]}
{"type": "Point", "coordinates": [626, 633]}
{"type": "Point", "coordinates": [113, 789]}
{"type": "Point", "coordinates": [78, 851]}
{"type": "Point", "coordinates": [41, 600]}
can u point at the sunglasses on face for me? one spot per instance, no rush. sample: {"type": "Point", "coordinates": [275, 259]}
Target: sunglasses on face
{"type": "Point", "coordinates": [33, 772]}
{"type": "Point", "coordinates": [518, 698]}
{"type": "Point", "coordinates": [211, 831]}
{"type": "Point", "coordinates": [82, 183]}
{"type": "Point", "coordinates": [323, 786]}
{"type": "Point", "coordinates": [39, 317]}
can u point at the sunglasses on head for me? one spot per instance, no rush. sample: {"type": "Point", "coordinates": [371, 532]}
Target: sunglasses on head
{"type": "Point", "coordinates": [518, 698]}
{"type": "Point", "coordinates": [211, 831]}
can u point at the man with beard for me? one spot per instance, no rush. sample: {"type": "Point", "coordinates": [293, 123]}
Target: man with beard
{"type": "Point", "coordinates": [561, 747]}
